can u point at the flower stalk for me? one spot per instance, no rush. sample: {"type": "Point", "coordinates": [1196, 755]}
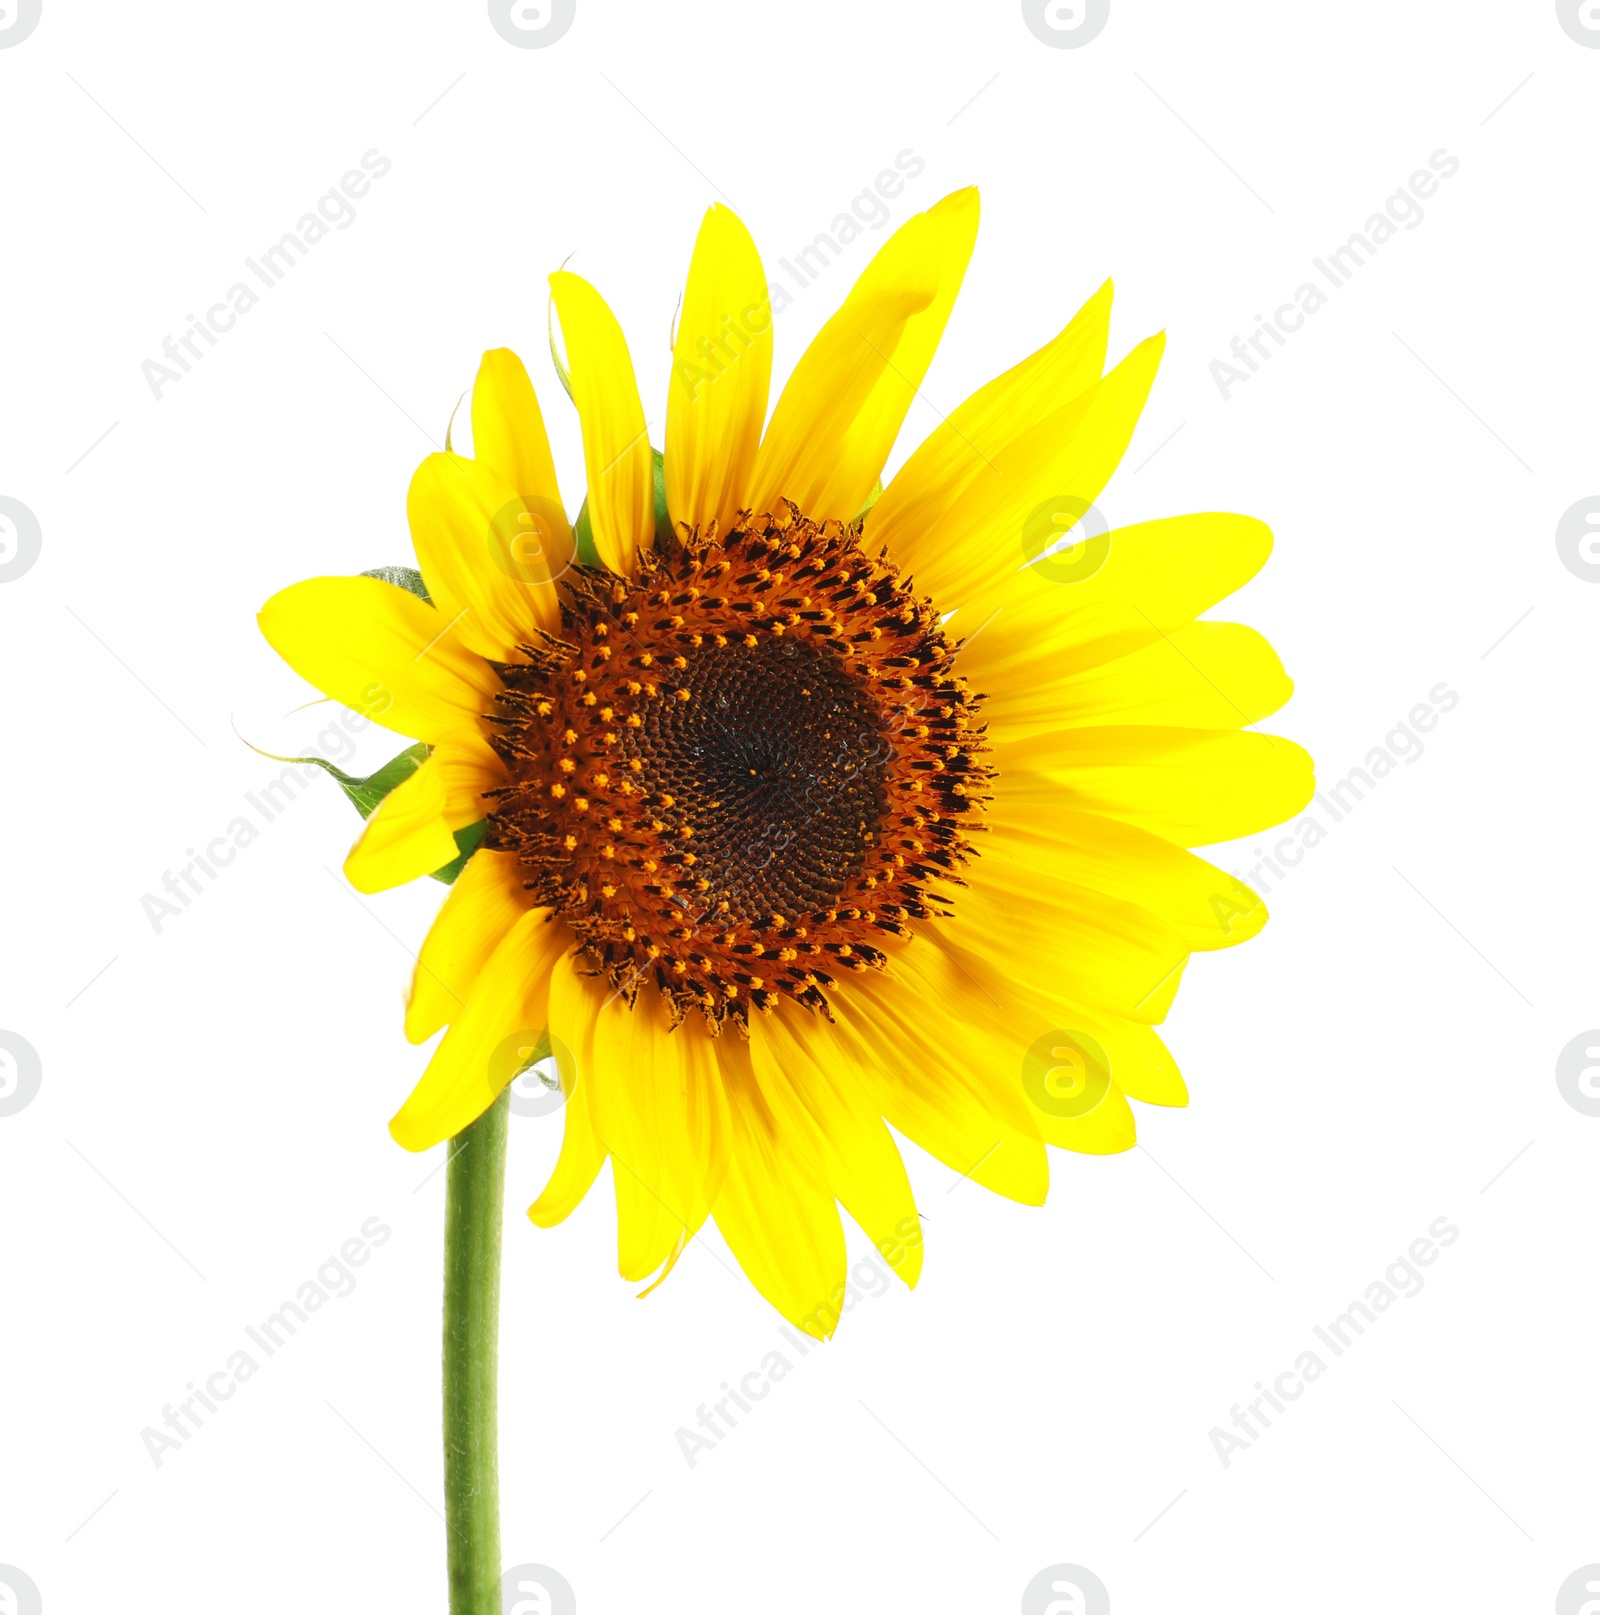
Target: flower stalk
{"type": "Point", "coordinates": [474, 1201]}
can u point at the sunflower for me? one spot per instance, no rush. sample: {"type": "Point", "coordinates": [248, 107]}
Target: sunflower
{"type": "Point", "coordinates": [805, 807]}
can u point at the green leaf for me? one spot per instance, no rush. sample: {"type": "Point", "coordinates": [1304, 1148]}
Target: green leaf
{"type": "Point", "coordinates": [872, 499]}
{"type": "Point", "coordinates": [402, 577]}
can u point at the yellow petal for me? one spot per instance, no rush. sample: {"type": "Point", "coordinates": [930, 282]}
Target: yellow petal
{"type": "Point", "coordinates": [469, 770]}
{"type": "Point", "coordinates": [957, 451]}
{"type": "Point", "coordinates": [485, 1048]}
{"type": "Point", "coordinates": [706, 1133]}
{"type": "Point", "coordinates": [616, 447]}
{"type": "Point", "coordinates": [508, 434]}
{"type": "Point", "coordinates": [1203, 675]}
{"type": "Point", "coordinates": [640, 1089]}
{"type": "Point", "coordinates": [578, 1165]}
{"type": "Point", "coordinates": [948, 1078]}
{"type": "Point", "coordinates": [1140, 1063]}
{"type": "Point", "coordinates": [415, 821]}
{"type": "Point", "coordinates": [1100, 949]}
{"type": "Point", "coordinates": [406, 837]}
{"type": "Point", "coordinates": [382, 652]}
{"type": "Point", "coordinates": [483, 555]}
{"type": "Point", "coordinates": [805, 1072]}
{"type": "Point", "coordinates": [1031, 1040]}
{"type": "Point", "coordinates": [781, 1227]}
{"type": "Point", "coordinates": [1026, 850]}
{"type": "Point", "coordinates": [573, 1007]}
{"type": "Point", "coordinates": [1192, 786]}
{"type": "Point", "coordinates": [486, 900]}
{"type": "Point", "coordinates": [1106, 1128]}
{"type": "Point", "coordinates": [1060, 462]}
{"type": "Point", "coordinates": [842, 408]}
{"type": "Point", "coordinates": [1141, 1066]}
{"type": "Point", "coordinates": [656, 1108]}
{"type": "Point", "coordinates": [577, 1003]}
{"type": "Point", "coordinates": [1154, 578]}
{"type": "Point", "coordinates": [721, 367]}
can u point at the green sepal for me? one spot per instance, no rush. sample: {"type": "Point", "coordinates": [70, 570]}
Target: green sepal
{"type": "Point", "coordinates": [450, 426]}
{"type": "Point", "coordinates": [658, 465]}
{"type": "Point", "coordinates": [367, 793]}
{"type": "Point", "coordinates": [402, 577]}
{"type": "Point", "coordinates": [583, 530]}
{"type": "Point", "coordinates": [583, 538]}
{"type": "Point", "coordinates": [467, 843]}
{"type": "Point", "coordinates": [872, 499]}
{"type": "Point", "coordinates": [540, 1052]}
{"type": "Point", "coordinates": [562, 372]}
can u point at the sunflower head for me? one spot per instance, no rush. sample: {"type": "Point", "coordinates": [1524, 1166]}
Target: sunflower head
{"type": "Point", "coordinates": [795, 805]}
{"type": "Point", "coordinates": [740, 771]}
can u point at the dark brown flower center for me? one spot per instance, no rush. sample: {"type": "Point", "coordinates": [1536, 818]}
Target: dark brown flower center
{"type": "Point", "coordinates": [735, 774]}
{"type": "Point", "coordinates": [778, 762]}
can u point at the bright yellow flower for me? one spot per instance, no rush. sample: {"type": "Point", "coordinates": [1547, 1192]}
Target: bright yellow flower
{"type": "Point", "coordinates": [776, 849]}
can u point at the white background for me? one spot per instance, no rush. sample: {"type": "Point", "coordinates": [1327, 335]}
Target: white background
{"type": "Point", "coordinates": [211, 1121]}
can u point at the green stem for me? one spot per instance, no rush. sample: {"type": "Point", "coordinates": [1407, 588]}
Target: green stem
{"type": "Point", "coordinates": [473, 1202]}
